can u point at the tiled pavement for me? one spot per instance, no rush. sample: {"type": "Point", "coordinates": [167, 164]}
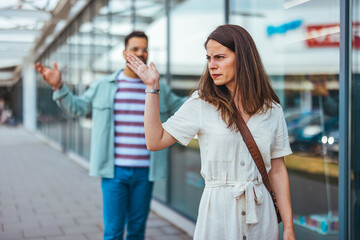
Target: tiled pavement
{"type": "Point", "coordinates": [46, 196]}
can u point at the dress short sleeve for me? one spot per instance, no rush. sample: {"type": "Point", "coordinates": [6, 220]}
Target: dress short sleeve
{"type": "Point", "coordinates": [185, 123]}
{"type": "Point", "coordinates": [281, 145]}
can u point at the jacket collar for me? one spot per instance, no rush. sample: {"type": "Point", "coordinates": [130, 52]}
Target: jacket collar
{"type": "Point", "coordinates": [112, 77]}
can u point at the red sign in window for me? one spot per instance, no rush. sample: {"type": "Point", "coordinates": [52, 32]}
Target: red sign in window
{"type": "Point", "coordinates": [328, 35]}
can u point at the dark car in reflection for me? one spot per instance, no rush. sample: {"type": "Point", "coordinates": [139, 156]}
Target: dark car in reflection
{"type": "Point", "coordinates": [293, 118]}
{"type": "Point", "coordinates": [313, 133]}
{"type": "Point", "coordinates": [330, 140]}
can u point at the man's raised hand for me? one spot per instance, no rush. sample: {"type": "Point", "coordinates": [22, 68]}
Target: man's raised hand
{"type": "Point", "coordinates": [51, 76]}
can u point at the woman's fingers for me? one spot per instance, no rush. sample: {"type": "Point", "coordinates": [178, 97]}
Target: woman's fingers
{"type": "Point", "coordinates": [132, 67]}
{"type": "Point", "coordinates": [146, 73]}
{"type": "Point", "coordinates": [130, 58]}
{"type": "Point", "coordinates": [135, 64]}
{"type": "Point", "coordinates": [135, 60]}
{"type": "Point", "coordinates": [132, 64]}
{"type": "Point", "coordinates": [153, 67]}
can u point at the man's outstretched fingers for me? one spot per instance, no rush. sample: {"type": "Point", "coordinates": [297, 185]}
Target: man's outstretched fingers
{"type": "Point", "coordinates": [37, 67]}
{"type": "Point", "coordinates": [55, 66]}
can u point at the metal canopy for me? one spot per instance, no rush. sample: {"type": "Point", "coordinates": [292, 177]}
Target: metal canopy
{"type": "Point", "coordinates": [24, 25]}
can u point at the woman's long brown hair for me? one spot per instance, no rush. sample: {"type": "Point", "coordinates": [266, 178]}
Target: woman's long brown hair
{"type": "Point", "coordinates": [252, 85]}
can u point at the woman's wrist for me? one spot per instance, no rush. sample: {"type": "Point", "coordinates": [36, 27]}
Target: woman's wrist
{"type": "Point", "coordinates": [289, 227]}
{"type": "Point", "coordinates": [153, 86]}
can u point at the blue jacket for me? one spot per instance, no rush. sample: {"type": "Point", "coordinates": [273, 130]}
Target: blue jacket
{"type": "Point", "coordinates": [99, 98]}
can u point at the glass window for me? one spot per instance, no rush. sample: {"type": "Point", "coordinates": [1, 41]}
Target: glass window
{"type": "Point", "coordinates": [299, 45]}
{"type": "Point", "coordinates": [77, 51]}
{"type": "Point", "coordinates": [355, 119]}
{"type": "Point", "coordinates": [48, 114]}
{"type": "Point", "coordinates": [191, 21]}
{"type": "Point", "coordinates": [101, 40]}
{"type": "Point", "coordinates": [149, 16]}
{"type": "Point", "coordinates": [75, 132]}
{"type": "Point", "coordinates": [82, 42]}
{"type": "Point", "coordinates": [120, 15]}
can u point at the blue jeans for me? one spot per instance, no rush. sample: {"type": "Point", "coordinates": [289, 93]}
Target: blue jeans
{"type": "Point", "coordinates": [126, 200]}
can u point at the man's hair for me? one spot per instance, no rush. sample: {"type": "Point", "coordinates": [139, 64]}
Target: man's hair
{"type": "Point", "coordinates": [139, 34]}
{"type": "Point", "coordinates": [252, 84]}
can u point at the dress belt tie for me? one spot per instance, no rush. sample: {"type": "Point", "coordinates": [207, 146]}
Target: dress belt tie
{"type": "Point", "coordinates": [253, 195]}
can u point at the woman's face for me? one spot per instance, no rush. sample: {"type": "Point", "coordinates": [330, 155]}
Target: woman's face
{"type": "Point", "coordinates": [221, 64]}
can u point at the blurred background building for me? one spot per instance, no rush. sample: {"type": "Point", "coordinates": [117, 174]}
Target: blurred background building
{"type": "Point", "coordinates": [310, 49]}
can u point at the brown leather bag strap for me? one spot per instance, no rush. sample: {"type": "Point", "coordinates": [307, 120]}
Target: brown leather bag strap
{"type": "Point", "coordinates": [254, 151]}
{"type": "Point", "coordinates": [256, 155]}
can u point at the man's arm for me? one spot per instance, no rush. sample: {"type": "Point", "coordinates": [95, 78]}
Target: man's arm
{"type": "Point", "coordinates": [73, 105]}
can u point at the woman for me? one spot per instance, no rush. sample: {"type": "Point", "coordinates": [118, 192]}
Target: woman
{"type": "Point", "coordinates": [235, 203]}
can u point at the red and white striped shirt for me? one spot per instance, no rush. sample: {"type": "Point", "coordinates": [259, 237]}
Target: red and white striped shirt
{"type": "Point", "coordinates": [129, 105]}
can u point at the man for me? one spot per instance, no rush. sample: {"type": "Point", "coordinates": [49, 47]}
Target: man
{"type": "Point", "coordinates": [118, 151]}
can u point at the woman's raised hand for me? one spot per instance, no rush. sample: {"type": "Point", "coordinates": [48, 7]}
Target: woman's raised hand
{"type": "Point", "coordinates": [51, 76]}
{"type": "Point", "coordinates": [148, 74]}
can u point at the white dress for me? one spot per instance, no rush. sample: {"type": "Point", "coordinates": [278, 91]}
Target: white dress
{"type": "Point", "coordinates": [235, 203]}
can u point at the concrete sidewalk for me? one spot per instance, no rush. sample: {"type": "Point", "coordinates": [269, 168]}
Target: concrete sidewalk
{"type": "Point", "coordinates": [45, 195]}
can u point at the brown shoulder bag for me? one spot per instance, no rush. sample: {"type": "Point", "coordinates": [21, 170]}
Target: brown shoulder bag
{"type": "Point", "coordinates": [256, 155]}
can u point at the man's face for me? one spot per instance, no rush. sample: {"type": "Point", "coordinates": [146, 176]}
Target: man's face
{"type": "Point", "coordinates": [137, 46]}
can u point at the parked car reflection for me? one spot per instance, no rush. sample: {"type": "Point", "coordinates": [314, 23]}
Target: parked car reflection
{"type": "Point", "coordinates": [309, 132]}
{"type": "Point", "coordinates": [293, 118]}
{"type": "Point", "coordinates": [331, 143]}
